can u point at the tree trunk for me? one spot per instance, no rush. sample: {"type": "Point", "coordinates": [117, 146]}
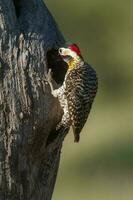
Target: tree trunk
{"type": "Point", "coordinates": [29, 146]}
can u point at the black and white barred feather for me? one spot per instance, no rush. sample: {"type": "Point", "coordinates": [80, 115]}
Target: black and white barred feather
{"type": "Point", "coordinates": [76, 95]}
{"type": "Point", "coordinates": [80, 90]}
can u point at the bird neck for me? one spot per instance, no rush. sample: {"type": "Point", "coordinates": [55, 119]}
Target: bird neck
{"type": "Point", "coordinates": [72, 63]}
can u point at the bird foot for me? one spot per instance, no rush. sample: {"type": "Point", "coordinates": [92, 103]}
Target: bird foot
{"type": "Point", "coordinates": [49, 76]}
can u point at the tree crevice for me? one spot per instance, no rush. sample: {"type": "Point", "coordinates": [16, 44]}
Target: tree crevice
{"type": "Point", "coordinates": [57, 65]}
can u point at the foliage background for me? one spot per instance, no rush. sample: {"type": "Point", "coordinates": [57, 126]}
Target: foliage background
{"type": "Point", "coordinates": [100, 167]}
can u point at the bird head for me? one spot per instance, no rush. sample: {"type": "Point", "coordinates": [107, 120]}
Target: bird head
{"type": "Point", "coordinates": [70, 54]}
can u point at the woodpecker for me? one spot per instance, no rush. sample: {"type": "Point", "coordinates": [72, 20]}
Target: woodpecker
{"type": "Point", "coordinates": [78, 90]}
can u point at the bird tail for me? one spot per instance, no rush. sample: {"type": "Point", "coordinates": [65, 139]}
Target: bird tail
{"type": "Point", "coordinates": [76, 133]}
{"type": "Point", "coordinates": [76, 138]}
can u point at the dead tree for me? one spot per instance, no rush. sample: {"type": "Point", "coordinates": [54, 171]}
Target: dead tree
{"type": "Point", "coordinates": [29, 145]}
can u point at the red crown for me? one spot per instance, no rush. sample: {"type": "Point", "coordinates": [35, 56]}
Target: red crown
{"type": "Point", "coordinates": [74, 48]}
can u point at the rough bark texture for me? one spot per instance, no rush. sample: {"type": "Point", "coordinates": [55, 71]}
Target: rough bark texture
{"type": "Point", "coordinates": [29, 154]}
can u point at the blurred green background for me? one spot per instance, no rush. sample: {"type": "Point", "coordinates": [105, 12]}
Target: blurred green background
{"type": "Point", "coordinates": [100, 167]}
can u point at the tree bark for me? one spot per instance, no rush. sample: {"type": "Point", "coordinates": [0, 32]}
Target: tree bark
{"type": "Point", "coordinates": [29, 146]}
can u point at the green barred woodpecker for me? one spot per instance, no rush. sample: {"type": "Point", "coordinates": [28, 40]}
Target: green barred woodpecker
{"type": "Point", "coordinates": [78, 90]}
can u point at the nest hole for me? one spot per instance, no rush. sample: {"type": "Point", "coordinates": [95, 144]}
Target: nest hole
{"type": "Point", "coordinates": [57, 65]}
{"type": "Point", "coordinates": [59, 69]}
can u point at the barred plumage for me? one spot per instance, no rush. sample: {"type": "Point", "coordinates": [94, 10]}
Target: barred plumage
{"type": "Point", "coordinates": [78, 91]}
{"type": "Point", "coordinates": [81, 88]}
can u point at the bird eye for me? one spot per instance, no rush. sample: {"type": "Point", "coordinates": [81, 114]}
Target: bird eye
{"type": "Point", "coordinates": [60, 50]}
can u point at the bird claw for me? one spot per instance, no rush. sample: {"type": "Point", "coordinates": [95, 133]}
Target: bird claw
{"type": "Point", "coordinates": [60, 128]}
{"type": "Point", "coordinates": [49, 76]}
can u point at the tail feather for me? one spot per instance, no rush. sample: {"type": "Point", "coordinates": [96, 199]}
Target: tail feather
{"type": "Point", "coordinates": [76, 138]}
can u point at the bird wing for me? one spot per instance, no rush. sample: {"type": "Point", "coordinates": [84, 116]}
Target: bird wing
{"type": "Point", "coordinates": [81, 88]}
